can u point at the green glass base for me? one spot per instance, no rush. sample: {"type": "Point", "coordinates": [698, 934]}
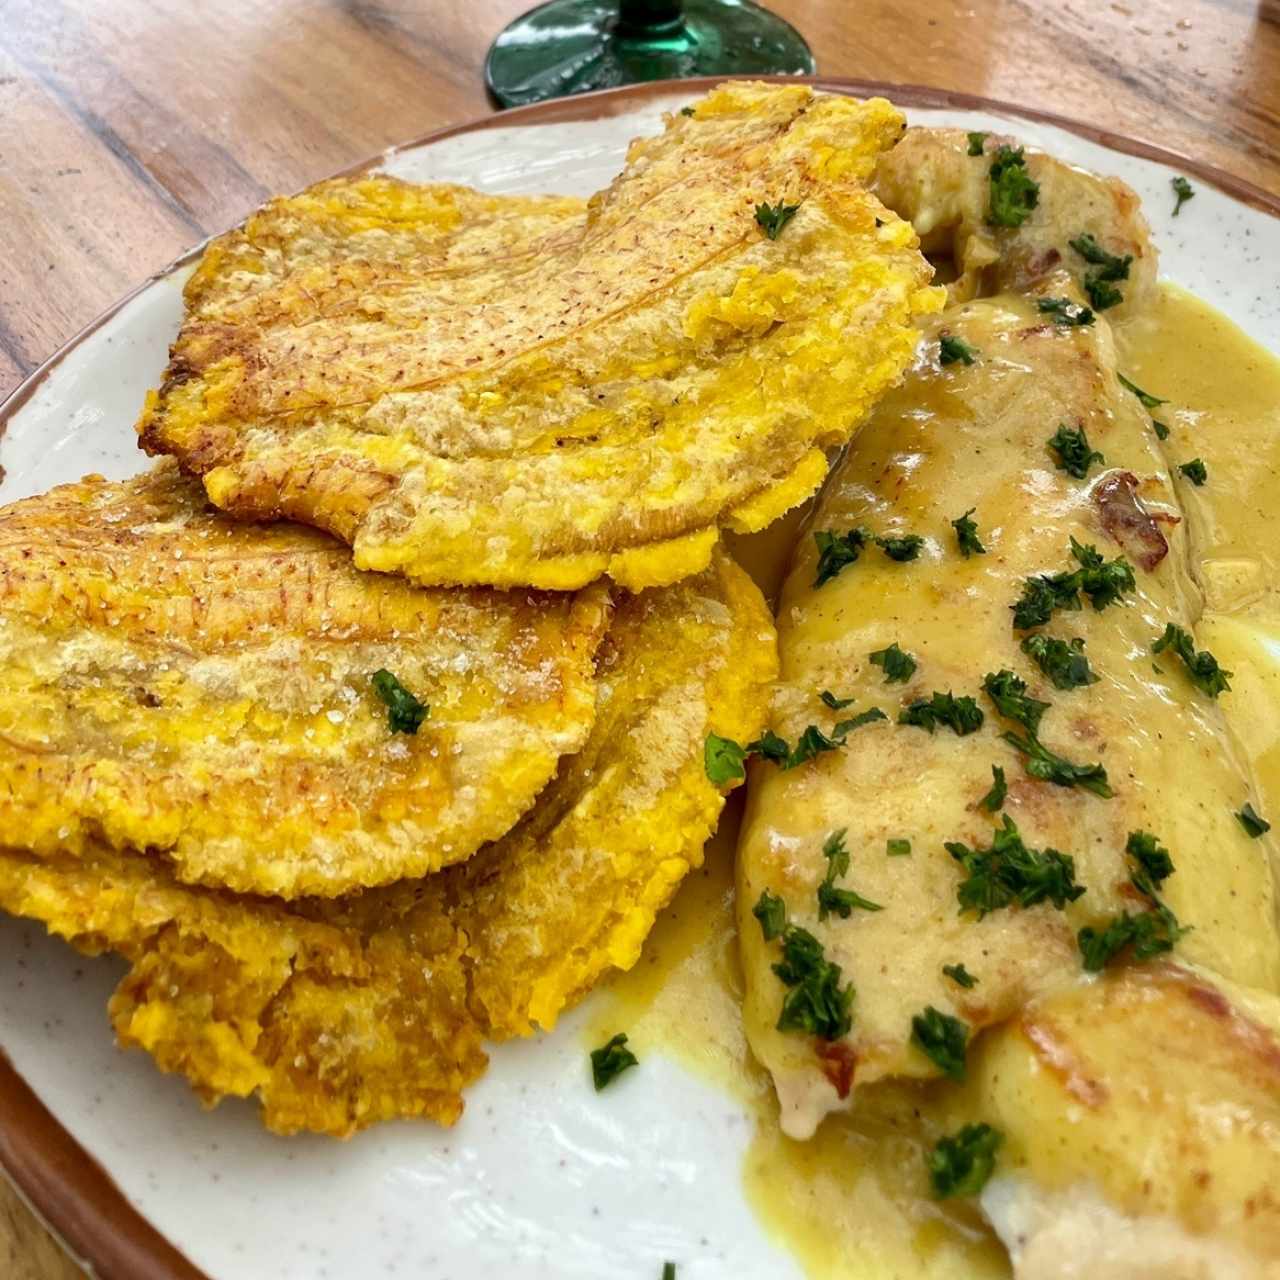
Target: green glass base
{"type": "Point", "coordinates": [572, 46]}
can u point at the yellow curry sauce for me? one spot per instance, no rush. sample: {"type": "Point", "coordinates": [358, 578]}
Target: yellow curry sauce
{"type": "Point", "coordinates": [853, 1201]}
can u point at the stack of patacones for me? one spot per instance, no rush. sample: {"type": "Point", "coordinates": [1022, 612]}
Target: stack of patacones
{"type": "Point", "coordinates": [351, 799]}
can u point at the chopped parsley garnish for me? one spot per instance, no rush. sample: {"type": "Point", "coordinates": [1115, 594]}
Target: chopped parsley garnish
{"type": "Point", "coordinates": [685, 111]}
{"type": "Point", "coordinates": [1113, 267]}
{"type": "Point", "coordinates": [961, 714]}
{"type": "Point", "coordinates": [967, 535]}
{"type": "Point", "coordinates": [976, 141]}
{"type": "Point", "coordinates": [1148, 400]}
{"type": "Point", "coordinates": [1009, 871]}
{"type": "Point", "coordinates": [1182, 191]}
{"type": "Point", "coordinates": [611, 1060]}
{"type": "Point", "coordinates": [1252, 822]}
{"type": "Point", "coordinates": [953, 350]}
{"type": "Point", "coordinates": [1103, 581]}
{"type": "Point", "coordinates": [773, 217]}
{"type": "Point", "coordinates": [723, 759]}
{"type": "Point", "coordinates": [1072, 447]}
{"type": "Point", "coordinates": [1099, 284]}
{"type": "Point", "coordinates": [1201, 665]}
{"type": "Point", "coordinates": [897, 847]}
{"type": "Point", "coordinates": [1063, 662]}
{"type": "Point", "coordinates": [1162, 432]}
{"type": "Point", "coordinates": [958, 973]}
{"type": "Point", "coordinates": [961, 1164]}
{"type": "Point", "coordinates": [1150, 933]}
{"type": "Point", "coordinates": [994, 799]}
{"type": "Point", "coordinates": [771, 911]}
{"type": "Point", "coordinates": [816, 1003]}
{"type": "Point", "coordinates": [843, 727]}
{"type": "Point", "coordinates": [836, 551]}
{"type": "Point", "coordinates": [769, 746]}
{"type": "Point", "coordinates": [1048, 766]}
{"type": "Point", "coordinates": [1154, 863]}
{"type": "Point", "coordinates": [1009, 694]}
{"type": "Point", "coordinates": [829, 699]}
{"type": "Point", "coordinates": [405, 713]}
{"type": "Point", "coordinates": [1195, 471]}
{"type": "Point", "coordinates": [897, 664]}
{"type": "Point", "coordinates": [1068, 314]}
{"type": "Point", "coordinates": [1014, 193]}
{"type": "Point", "coordinates": [904, 547]}
{"type": "Point", "coordinates": [841, 901]}
{"type": "Point", "coordinates": [942, 1039]}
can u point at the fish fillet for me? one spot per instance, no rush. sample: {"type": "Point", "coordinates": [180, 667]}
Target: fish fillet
{"type": "Point", "coordinates": [598, 397]}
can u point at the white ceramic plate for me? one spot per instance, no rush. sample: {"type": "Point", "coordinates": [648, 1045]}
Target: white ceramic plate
{"type": "Point", "coordinates": [540, 1178]}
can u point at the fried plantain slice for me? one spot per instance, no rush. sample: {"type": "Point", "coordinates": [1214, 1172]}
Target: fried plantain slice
{"type": "Point", "coordinates": [173, 681]}
{"type": "Point", "coordinates": [343, 1012]}
{"type": "Point", "coordinates": [602, 400]}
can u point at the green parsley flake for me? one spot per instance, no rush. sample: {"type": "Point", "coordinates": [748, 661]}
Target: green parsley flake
{"type": "Point", "coordinates": [1182, 191]}
{"type": "Point", "coordinates": [1075, 457]}
{"type": "Point", "coordinates": [1195, 471]}
{"type": "Point", "coordinates": [686, 111]}
{"type": "Point", "coordinates": [1048, 766]}
{"type": "Point", "coordinates": [1063, 662]}
{"type": "Point", "coordinates": [1162, 432]}
{"type": "Point", "coordinates": [611, 1060]}
{"type": "Point", "coordinates": [953, 350]}
{"type": "Point", "coordinates": [773, 217]}
{"type": "Point", "coordinates": [829, 699]}
{"type": "Point", "coordinates": [961, 1164]}
{"type": "Point", "coordinates": [897, 847]}
{"type": "Point", "coordinates": [1009, 871]}
{"type": "Point", "coordinates": [836, 551]}
{"type": "Point", "coordinates": [1099, 284]}
{"type": "Point", "coordinates": [1103, 581]}
{"type": "Point", "coordinates": [816, 1003]}
{"type": "Point", "coordinates": [1065, 313]}
{"type": "Point", "coordinates": [942, 1039]}
{"type": "Point", "coordinates": [962, 714]}
{"type": "Point", "coordinates": [1009, 694]}
{"type": "Point", "coordinates": [1150, 934]}
{"type": "Point", "coordinates": [722, 758]}
{"type": "Point", "coordinates": [1148, 400]}
{"type": "Point", "coordinates": [1252, 822]}
{"type": "Point", "coordinates": [994, 799]}
{"type": "Point", "coordinates": [1201, 665]}
{"type": "Point", "coordinates": [967, 535]}
{"type": "Point", "coordinates": [1014, 194]}
{"type": "Point", "coordinates": [976, 141]}
{"type": "Point", "coordinates": [897, 664]}
{"type": "Point", "coordinates": [405, 713]}
{"type": "Point", "coordinates": [842, 728]}
{"type": "Point", "coordinates": [771, 911]}
{"type": "Point", "coordinates": [904, 547]}
{"type": "Point", "coordinates": [831, 899]}
{"type": "Point", "coordinates": [958, 973]}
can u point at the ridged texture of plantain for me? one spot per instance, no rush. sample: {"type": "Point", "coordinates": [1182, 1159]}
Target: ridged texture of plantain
{"type": "Point", "coordinates": [173, 681]}
{"type": "Point", "coordinates": [600, 396]}
{"type": "Point", "coordinates": [343, 1012]}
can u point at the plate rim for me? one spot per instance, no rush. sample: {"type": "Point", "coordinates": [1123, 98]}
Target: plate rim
{"type": "Point", "coordinates": [73, 1195]}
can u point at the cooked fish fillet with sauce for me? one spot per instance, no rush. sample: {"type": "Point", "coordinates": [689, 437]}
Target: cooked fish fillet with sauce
{"type": "Point", "coordinates": [1140, 1117]}
{"type": "Point", "coordinates": [599, 395]}
{"type": "Point", "coordinates": [339, 1013]}
{"type": "Point", "coordinates": [241, 702]}
{"type": "Point", "coordinates": [940, 180]}
{"type": "Point", "coordinates": [1105, 745]}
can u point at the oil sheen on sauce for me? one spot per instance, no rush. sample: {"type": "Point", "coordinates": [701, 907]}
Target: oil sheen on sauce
{"type": "Point", "coordinates": [852, 1202]}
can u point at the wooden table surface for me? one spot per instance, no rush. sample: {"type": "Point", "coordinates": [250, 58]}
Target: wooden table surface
{"type": "Point", "coordinates": [130, 129]}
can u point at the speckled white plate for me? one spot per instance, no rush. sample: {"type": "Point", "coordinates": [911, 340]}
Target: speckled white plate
{"type": "Point", "coordinates": [541, 1178]}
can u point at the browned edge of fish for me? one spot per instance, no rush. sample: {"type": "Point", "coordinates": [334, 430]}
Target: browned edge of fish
{"type": "Point", "coordinates": [61, 1182]}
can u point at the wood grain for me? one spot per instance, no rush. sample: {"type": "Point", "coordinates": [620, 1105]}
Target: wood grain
{"type": "Point", "coordinates": [131, 129]}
